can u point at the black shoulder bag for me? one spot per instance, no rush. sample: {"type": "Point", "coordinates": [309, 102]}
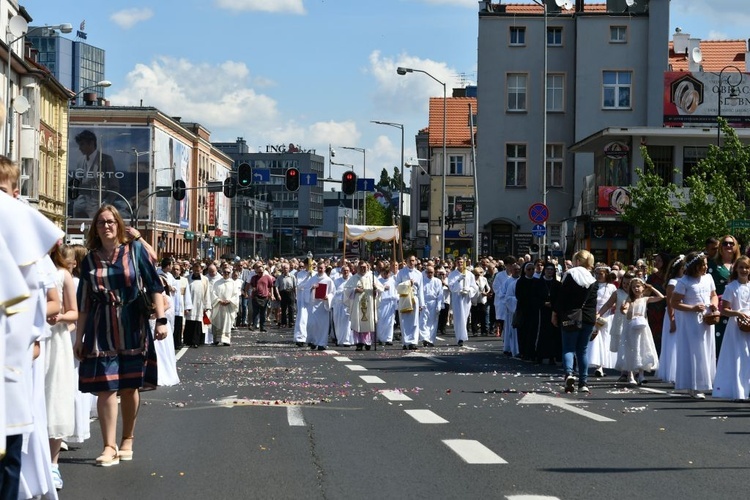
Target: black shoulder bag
{"type": "Point", "coordinates": [144, 301]}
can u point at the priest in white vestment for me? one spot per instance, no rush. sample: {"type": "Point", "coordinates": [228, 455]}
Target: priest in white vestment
{"type": "Point", "coordinates": [226, 303]}
{"type": "Point", "coordinates": [303, 275]}
{"type": "Point", "coordinates": [409, 320]}
{"type": "Point", "coordinates": [361, 294]}
{"type": "Point", "coordinates": [433, 299]}
{"type": "Point", "coordinates": [463, 287]}
{"type": "Point", "coordinates": [319, 298]}
{"type": "Point", "coordinates": [341, 322]}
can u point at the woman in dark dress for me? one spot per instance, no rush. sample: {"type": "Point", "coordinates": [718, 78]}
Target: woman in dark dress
{"type": "Point", "coordinates": [549, 343]}
{"type": "Point", "coordinates": [527, 310]}
{"type": "Point", "coordinates": [114, 341]}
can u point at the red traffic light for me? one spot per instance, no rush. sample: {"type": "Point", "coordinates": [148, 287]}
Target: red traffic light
{"type": "Point", "coordinates": [349, 183]}
{"type": "Point", "coordinates": [291, 179]}
{"type": "Point", "coordinates": [292, 172]}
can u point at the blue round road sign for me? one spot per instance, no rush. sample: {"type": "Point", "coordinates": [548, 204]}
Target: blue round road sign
{"type": "Point", "coordinates": [538, 213]}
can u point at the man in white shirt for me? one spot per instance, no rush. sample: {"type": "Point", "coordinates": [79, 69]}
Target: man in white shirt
{"type": "Point", "coordinates": [409, 321]}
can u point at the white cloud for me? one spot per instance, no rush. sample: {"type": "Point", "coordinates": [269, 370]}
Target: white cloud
{"type": "Point", "coordinates": [128, 18]}
{"type": "Point", "coordinates": [280, 6]}
{"type": "Point", "coordinates": [222, 98]}
{"type": "Point", "coordinates": [716, 16]}
{"type": "Point", "coordinates": [717, 35]}
{"type": "Point", "coordinates": [411, 91]}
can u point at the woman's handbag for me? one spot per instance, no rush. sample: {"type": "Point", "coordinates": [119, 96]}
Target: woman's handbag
{"type": "Point", "coordinates": [573, 320]}
{"type": "Point", "coordinates": [144, 301]}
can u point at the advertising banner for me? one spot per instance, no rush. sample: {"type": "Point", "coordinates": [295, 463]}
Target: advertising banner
{"type": "Point", "coordinates": [172, 162]}
{"type": "Point", "coordinates": [694, 97]}
{"type": "Point", "coordinates": [110, 164]}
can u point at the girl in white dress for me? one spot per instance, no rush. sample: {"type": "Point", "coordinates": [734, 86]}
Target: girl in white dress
{"type": "Point", "coordinates": [59, 378]}
{"type": "Point", "coordinates": [165, 355]}
{"type": "Point", "coordinates": [695, 294]}
{"type": "Point", "coordinates": [600, 356]}
{"type": "Point", "coordinates": [668, 358]}
{"type": "Point", "coordinates": [638, 351]}
{"type": "Point", "coordinates": [617, 319]}
{"type": "Point", "coordinates": [733, 370]}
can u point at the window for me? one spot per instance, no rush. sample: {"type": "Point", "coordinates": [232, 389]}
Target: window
{"type": "Point", "coordinates": [691, 156]}
{"type": "Point", "coordinates": [555, 92]}
{"type": "Point", "coordinates": [456, 165]}
{"type": "Point", "coordinates": [554, 36]}
{"type": "Point", "coordinates": [663, 162]}
{"type": "Point", "coordinates": [555, 163]}
{"type": "Point", "coordinates": [617, 89]}
{"type": "Point", "coordinates": [515, 165]}
{"type": "Point", "coordinates": [618, 34]}
{"type": "Point", "coordinates": [516, 92]}
{"type": "Point", "coordinates": [517, 35]}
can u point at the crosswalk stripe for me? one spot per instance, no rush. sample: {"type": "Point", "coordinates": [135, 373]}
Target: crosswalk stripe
{"type": "Point", "coordinates": [332, 352]}
{"type": "Point", "coordinates": [530, 497]}
{"type": "Point", "coordinates": [294, 416]}
{"type": "Point", "coordinates": [426, 417]}
{"type": "Point", "coordinates": [473, 452]}
{"type": "Point", "coordinates": [372, 379]}
{"type": "Point", "coordinates": [357, 368]}
{"type": "Point", "coordinates": [343, 359]}
{"type": "Point", "coordinates": [391, 395]}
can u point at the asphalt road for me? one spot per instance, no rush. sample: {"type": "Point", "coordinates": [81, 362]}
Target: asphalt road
{"type": "Point", "coordinates": [265, 419]}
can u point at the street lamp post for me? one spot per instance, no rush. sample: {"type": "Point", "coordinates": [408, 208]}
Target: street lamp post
{"type": "Point", "coordinates": [401, 186]}
{"type": "Point", "coordinates": [137, 155]}
{"type": "Point", "coordinates": [733, 94]}
{"type": "Point", "coordinates": [19, 28]}
{"type": "Point", "coordinates": [543, 5]}
{"type": "Point", "coordinates": [364, 174]}
{"type": "Point", "coordinates": [402, 71]}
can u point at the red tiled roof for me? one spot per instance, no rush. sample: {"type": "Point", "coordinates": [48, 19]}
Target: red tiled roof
{"type": "Point", "coordinates": [717, 54]}
{"type": "Point", "coordinates": [457, 121]}
{"type": "Point", "coordinates": [518, 8]}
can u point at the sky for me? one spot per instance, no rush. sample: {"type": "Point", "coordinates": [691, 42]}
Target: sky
{"type": "Point", "coordinates": [308, 72]}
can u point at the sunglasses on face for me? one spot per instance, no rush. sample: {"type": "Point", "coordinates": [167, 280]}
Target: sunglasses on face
{"type": "Point", "coordinates": [727, 243]}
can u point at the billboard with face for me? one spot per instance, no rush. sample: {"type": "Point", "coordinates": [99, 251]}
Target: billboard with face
{"type": "Point", "coordinates": [171, 162]}
{"type": "Point", "coordinates": [108, 164]}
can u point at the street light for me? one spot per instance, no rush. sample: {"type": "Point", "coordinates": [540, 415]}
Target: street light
{"type": "Point", "coordinates": [18, 27]}
{"type": "Point", "coordinates": [402, 71]}
{"type": "Point", "coordinates": [364, 174]}
{"type": "Point", "coordinates": [733, 94]}
{"type": "Point", "coordinates": [401, 169]}
{"type": "Point", "coordinates": [543, 5]}
{"type": "Point", "coordinates": [137, 155]}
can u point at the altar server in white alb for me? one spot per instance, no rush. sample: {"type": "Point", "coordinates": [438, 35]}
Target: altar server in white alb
{"type": "Point", "coordinates": [303, 275]}
{"type": "Point", "coordinates": [320, 296]}
{"type": "Point", "coordinates": [463, 287]}
{"type": "Point", "coordinates": [200, 298]}
{"type": "Point", "coordinates": [342, 325]}
{"type": "Point", "coordinates": [411, 302]}
{"type": "Point", "coordinates": [226, 303]}
{"type": "Point", "coordinates": [387, 306]}
{"type": "Point", "coordinates": [433, 301]}
{"type": "Point", "coordinates": [360, 294]}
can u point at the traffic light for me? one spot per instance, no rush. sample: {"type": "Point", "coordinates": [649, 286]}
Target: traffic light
{"type": "Point", "coordinates": [178, 190]}
{"type": "Point", "coordinates": [291, 180]}
{"type": "Point", "coordinates": [73, 191]}
{"type": "Point", "coordinates": [244, 175]}
{"type": "Point", "coordinates": [230, 187]}
{"type": "Point", "coordinates": [349, 183]}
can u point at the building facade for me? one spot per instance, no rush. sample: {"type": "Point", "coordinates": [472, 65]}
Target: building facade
{"type": "Point", "coordinates": [605, 68]}
{"type": "Point", "coordinates": [295, 215]}
{"type": "Point", "coordinates": [130, 157]}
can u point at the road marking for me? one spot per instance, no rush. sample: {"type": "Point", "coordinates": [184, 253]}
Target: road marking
{"type": "Point", "coordinates": [181, 353]}
{"type": "Point", "coordinates": [426, 417]}
{"type": "Point", "coordinates": [652, 391]}
{"type": "Point", "coordinates": [343, 359]}
{"type": "Point", "coordinates": [468, 348]}
{"type": "Point", "coordinates": [530, 497]}
{"type": "Point", "coordinates": [425, 356]}
{"type": "Point", "coordinates": [332, 352]}
{"type": "Point", "coordinates": [372, 379]}
{"type": "Point", "coordinates": [392, 395]}
{"type": "Point", "coordinates": [250, 356]}
{"type": "Point", "coordinates": [294, 416]}
{"type": "Point", "coordinates": [533, 398]}
{"type": "Point", "coordinates": [473, 452]}
{"type": "Point", "coordinates": [357, 368]}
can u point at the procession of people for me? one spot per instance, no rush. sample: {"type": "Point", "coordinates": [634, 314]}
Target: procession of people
{"type": "Point", "coordinates": [88, 328]}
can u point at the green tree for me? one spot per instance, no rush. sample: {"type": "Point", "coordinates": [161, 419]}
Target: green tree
{"type": "Point", "coordinates": [377, 214]}
{"type": "Point", "coordinates": [670, 219]}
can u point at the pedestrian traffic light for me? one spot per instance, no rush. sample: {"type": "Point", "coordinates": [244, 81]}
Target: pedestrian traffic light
{"type": "Point", "coordinates": [244, 175]}
{"type": "Point", "coordinates": [73, 191]}
{"type": "Point", "coordinates": [230, 187]}
{"type": "Point", "coordinates": [349, 183]}
{"type": "Point", "coordinates": [178, 190]}
{"type": "Point", "coordinates": [291, 180]}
